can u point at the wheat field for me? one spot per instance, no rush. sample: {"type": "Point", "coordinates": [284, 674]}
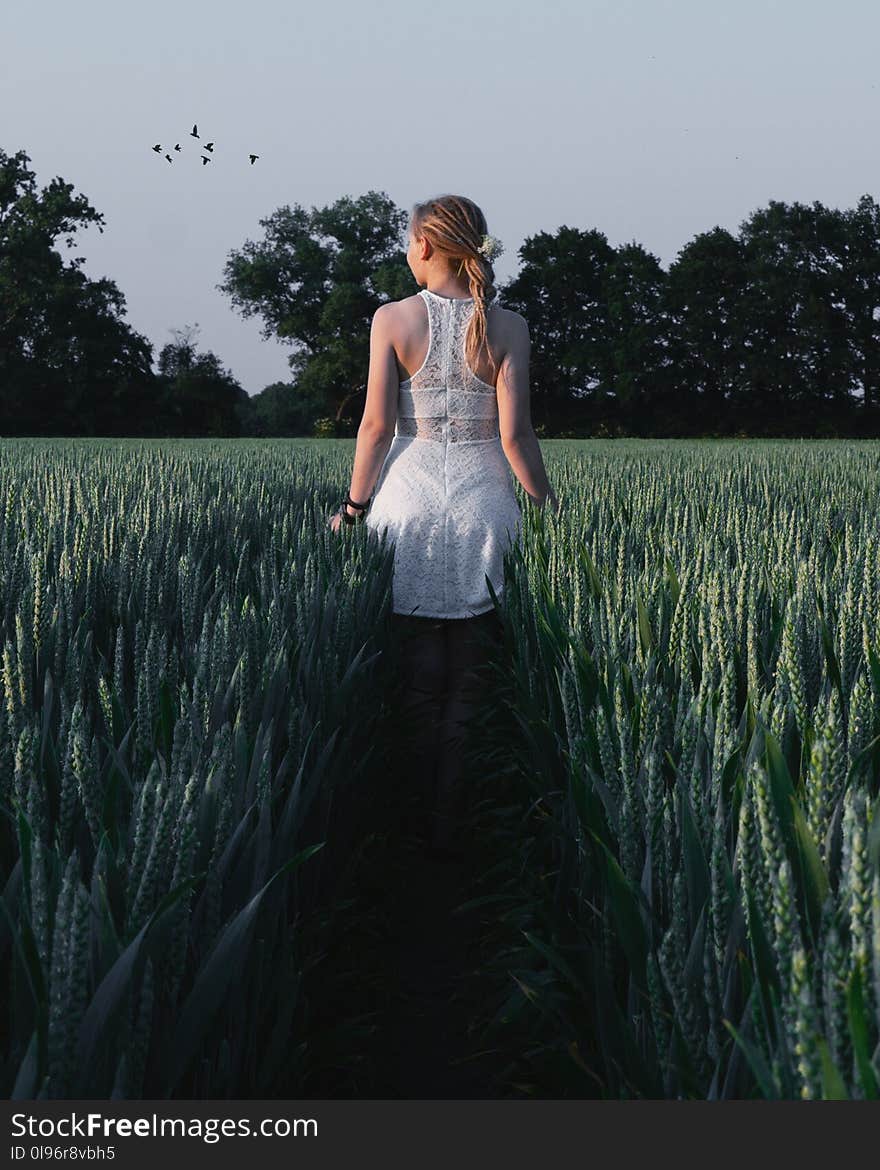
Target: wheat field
{"type": "Point", "coordinates": [679, 766]}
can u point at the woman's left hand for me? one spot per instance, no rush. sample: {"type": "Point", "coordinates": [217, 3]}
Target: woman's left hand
{"type": "Point", "coordinates": [335, 521]}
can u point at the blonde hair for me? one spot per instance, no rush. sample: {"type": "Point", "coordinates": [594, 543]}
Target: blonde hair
{"type": "Point", "coordinates": [454, 226]}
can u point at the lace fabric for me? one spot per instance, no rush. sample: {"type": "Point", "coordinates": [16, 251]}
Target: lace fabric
{"type": "Point", "coordinates": [444, 400]}
{"type": "Point", "coordinates": [452, 430]}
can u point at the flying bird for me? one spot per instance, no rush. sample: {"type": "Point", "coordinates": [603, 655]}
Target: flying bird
{"type": "Point", "coordinates": [177, 147]}
{"type": "Point", "coordinates": [209, 146]}
{"type": "Point", "coordinates": [194, 133]}
{"type": "Point", "coordinates": [253, 158]}
{"type": "Point", "coordinates": [158, 148]}
{"type": "Point", "coordinates": [205, 159]}
{"type": "Point", "coordinates": [170, 159]}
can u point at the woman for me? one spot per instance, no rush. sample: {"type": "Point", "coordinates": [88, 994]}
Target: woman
{"type": "Point", "coordinates": [446, 419]}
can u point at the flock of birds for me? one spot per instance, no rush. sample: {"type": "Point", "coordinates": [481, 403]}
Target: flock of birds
{"type": "Point", "coordinates": [209, 146]}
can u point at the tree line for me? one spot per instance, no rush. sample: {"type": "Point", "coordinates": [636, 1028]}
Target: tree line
{"type": "Point", "coordinates": [772, 330]}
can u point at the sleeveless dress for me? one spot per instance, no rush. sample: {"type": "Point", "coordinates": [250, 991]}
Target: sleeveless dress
{"type": "Point", "coordinates": [445, 494]}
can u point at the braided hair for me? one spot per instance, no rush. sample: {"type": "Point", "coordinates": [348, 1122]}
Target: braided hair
{"type": "Point", "coordinates": [454, 226]}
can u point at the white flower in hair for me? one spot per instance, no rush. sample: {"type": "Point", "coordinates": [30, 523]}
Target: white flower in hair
{"type": "Point", "coordinates": [490, 247]}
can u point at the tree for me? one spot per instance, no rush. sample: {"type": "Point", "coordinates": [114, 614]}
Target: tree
{"type": "Point", "coordinates": [860, 296]}
{"type": "Point", "coordinates": [199, 396]}
{"type": "Point", "coordinates": [702, 299]}
{"type": "Point", "coordinates": [316, 279]}
{"type": "Point", "coordinates": [560, 290]}
{"type": "Point", "coordinates": [279, 409]}
{"type": "Point", "coordinates": [793, 330]}
{"type": "Point", "coordinates": [633, 288]}
{"type": "Point", "coordinates": [69, 363]}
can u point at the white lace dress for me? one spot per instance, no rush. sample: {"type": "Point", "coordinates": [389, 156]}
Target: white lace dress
{"type": "Point", "coordinates": [445, 494]}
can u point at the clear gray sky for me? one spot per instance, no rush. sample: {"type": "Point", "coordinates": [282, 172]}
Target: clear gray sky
{"type": "Point", "coordinates": [622, 115]}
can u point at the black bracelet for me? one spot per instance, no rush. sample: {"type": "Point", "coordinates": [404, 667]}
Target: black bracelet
{"type": "Point", "coordinates": [345, 515]}
{"type": "Point", "coordinates": [348, 500]}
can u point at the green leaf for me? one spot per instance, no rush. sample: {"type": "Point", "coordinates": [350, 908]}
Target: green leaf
{"type": "Point", "coordinates": [858, 1030]}
{"type": "Point", "coordinates": [594, 581]}
{"type": "Point", "coordinates": [28, 1073]}
{"type": "Point", "coordinates": [555, 960]}
{"type": "Point", "coordinates": [812, 872]}
{"type": "Point", "coordinates": [674, 585]}
{"type": "Point", "coordinates": [110, 991]}
{"type": "Point", "coordinates": [213, 979]}
{"type": "Point", "coordinates": [696, 867]}
{"type": "Point", "coordinates": [781, 787]}
{"type": "Point", "coordinates": [874, 667]}
{"type": "Point", "coordinates": [767, 977]}
{"type": "Point", "coordinates": [757, 1063]}
{"type": "Point", "coordinates": [833, 1088]}
{"type": "Point", "coordinates": [625, 907]}
{"type": "Point", "coordinates": [645, 636]}
{"type": "Point", "coordinates": [166, 718]}
{"type": "Point", "coordinates": [830, 656]}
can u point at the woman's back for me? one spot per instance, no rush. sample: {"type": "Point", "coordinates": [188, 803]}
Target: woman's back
{"type": "Point", "coordinates": [412, 336]}
{"type": "Point", "coordinates": [445, 493]}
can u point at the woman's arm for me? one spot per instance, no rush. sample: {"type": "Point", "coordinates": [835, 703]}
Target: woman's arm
{"type": "Point", "coordinates": [380, 410]}
{"type": "Point", "coordinates": [518, 438]}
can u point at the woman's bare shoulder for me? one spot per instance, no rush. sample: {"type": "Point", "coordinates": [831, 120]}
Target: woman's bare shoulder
{"type": "Point", "coordinates": [511, 317]}
{"type": "Point", "coordinates": [405, 307]}
{"type": "Point", "coordinates": [507, 325]}
{"type": "Point", "coordinates": [512, 331]}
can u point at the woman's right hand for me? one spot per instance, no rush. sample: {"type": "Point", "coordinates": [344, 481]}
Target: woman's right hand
{"type": "Point", "coordinates": [552, 502]}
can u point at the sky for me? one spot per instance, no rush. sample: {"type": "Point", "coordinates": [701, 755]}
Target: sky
{"type": "Point", "coordinates": [648, 120]}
